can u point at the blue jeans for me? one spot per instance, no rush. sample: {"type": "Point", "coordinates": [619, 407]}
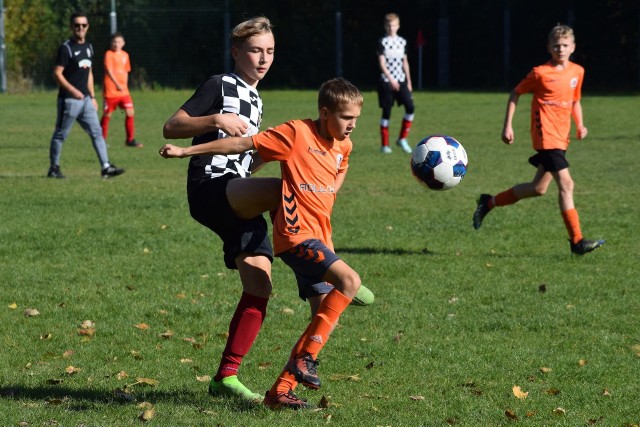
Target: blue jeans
{"type": "Point", "coordinates": [82, 110]}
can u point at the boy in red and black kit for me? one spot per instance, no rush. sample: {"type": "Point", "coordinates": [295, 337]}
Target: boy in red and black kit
{"type": "Point", "coordinates": [556, 88]}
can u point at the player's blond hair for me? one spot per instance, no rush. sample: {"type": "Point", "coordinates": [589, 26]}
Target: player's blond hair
{"type": "Point", "coordinates": [337, 91]}
{"type": "Point", "coordinates": [561, 31]}
{"type": "Point", "coordinates": [391, 17]}
{"type": "Point", "coordinates": [249, 28]}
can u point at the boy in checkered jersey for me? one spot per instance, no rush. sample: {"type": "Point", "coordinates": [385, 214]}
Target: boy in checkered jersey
{"type": "Point", "coordinates": [556, 88]}
{"type": "Point", "coordinates": [395, 83]}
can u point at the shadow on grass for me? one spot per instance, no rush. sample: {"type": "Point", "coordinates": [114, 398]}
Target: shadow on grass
{"type": "Point", "coordinates": [84, 399]}
{"type": "Point", "coordinates": [385, 251]}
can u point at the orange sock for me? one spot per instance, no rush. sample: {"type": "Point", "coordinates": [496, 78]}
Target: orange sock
{"type": "Point", "coordinates": [323, 323]}
{"type": "Point", "coordinates": [572, 222]}
{"type": "Point", "coordinates": [314, 337]}
{"type": "Point", "coordinates": [507, 197]}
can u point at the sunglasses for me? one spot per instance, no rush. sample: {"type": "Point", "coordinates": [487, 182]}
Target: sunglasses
{"type": "Point", "coordinates": [80, 25]}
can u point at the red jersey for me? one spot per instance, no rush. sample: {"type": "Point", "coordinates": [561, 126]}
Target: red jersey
{"type": "Point", "coordinates": [554, 93]}
{"type": "Point", "coordinates": [118, 63]}
{"type": "Point", "coordinates": [309, 166]}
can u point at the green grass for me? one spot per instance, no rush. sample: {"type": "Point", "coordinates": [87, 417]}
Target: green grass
{"type": "Point", "coordinates": [459, 318]}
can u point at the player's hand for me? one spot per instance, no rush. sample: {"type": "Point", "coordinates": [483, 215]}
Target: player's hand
{"type": "Point", "coordinates": [231, 124]}
{"type": "Point", "coordinates": [582, 132]}
{"type": "Point", "coordinates": [169, 151]}
{"type": "Point", "coordinates": [394, 85]}
{"type": "Point", "coordinates": [507, 135]}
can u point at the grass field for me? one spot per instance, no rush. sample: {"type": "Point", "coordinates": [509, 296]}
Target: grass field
{"type": "Point", "coordinates": [461, 316]}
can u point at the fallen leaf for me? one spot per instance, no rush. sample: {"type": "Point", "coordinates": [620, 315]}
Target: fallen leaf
{"type": "Point", "coordinates": [264, 365]}
{"type": "Point", "coordinates": [592, 421]}
{"type": "Point", "coordinates": [68, 354]}
{"type": "Point", "coordinates": [70, 370]}
{"type": "Point", "coordinates": [13, 306]}
{"type": "Point", "coordinates": [142, 326]}
{"type": "Point", "coordinates": [327, 418]}
{"type": "Point", "coordinates": [416, 398]}
{"type": "Point", "coordinates": [324, 402]}
{"type": "Point", "coordinates": [55, 381]}
{"type": "Point", "coordinates": [87, 324]}
{"type": "Point", "coordinates": [45, 336]}
{"type": "Point", "coordinates": [517, 392]}
{"type": "Point", "coordinates": [605, 392]}
{"type": "Point", "coordinates": [204, 378]}
{"type": "Point", "coordinates": [287, 310]}
{"type": "Point", "coordinates": [559, 411]}
{"type": "Point", "coordinates": [146, 381]}
{"type": "Point", "coordinates": [30, 312]}
{"type": "Point", "coordinates": [148, 415]}
{"type": "Point", "coordinates": [146, 251]}
{"type": "Point", "coordinates": [144, 405]}
{"type": "Point", "coordinates": [553, 391]}
{"type": "Point", "coordinates": [582, 363]}
{"type": "Point", "coordinates": [166, 334]}
{"type": "Point", "coordinates": [510, 414]}
{"type": "Point", "coordinates": [88, 332]}
{"type": "Point", "coordinates": [181, 296]}
{"type": "Point", "coordinates": [136, 355]}
{"type": "Point", "coordinates": [530, 414]}
{"type": "Point", "coordinates": [122, 375]}
{"type": "Point", "coordinates": [185, 360]}
{"type": "Point", "coordinates": [545, 370]}
{"type": "Point", "coordinates": [123, 395]}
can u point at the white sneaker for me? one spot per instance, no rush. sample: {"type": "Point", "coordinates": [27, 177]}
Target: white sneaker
{"type": "Point", "coordinates": [385, 149]}
{"type": "Point", "coordinates": [402, 143]}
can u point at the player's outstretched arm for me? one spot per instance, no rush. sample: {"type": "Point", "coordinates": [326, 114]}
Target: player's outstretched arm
{"type": "Point", "coordinates": [182, 125]}
{"type": "Point", "coordinates": [233, 145]}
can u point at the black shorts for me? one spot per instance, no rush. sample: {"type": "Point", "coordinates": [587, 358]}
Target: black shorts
{"type": "Point", "coordinates": [310, 261]}
{"type": "Point", "coordinates": [551, 160]}
{"type": "Point", "coordinates": [208, 204]}
{"type": "Point", "coordinates": [386, 95]}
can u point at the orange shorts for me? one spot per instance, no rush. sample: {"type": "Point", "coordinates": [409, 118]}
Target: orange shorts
{"type": "Point", "coordinates": [124, 102]}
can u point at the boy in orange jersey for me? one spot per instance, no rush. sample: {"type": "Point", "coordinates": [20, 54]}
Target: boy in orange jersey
{"type": "Point", "coordinates": [556, 88]}
{"type": "Point", "coordinates": [116, 90]}
{"type": "Point", "coordinates": [313, 156]}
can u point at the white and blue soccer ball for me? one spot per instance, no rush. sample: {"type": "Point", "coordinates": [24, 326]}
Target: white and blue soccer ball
{"type": "Point", "coordinates": [439, 162]}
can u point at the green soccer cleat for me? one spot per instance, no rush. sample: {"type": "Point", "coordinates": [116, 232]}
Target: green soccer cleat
{"type": "Point", "coordinates": [364, 297]}
{"type": "Point", "coordinates": [232, 387]}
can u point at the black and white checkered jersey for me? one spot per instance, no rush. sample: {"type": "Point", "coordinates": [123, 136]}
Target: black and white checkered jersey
{"type": "Point", "coordinates": [393, 49]}
{"type": "Point", "coordinates": [223, 93]}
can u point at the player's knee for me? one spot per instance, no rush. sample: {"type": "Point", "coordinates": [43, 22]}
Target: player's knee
{"type": "Point", "coordinates": [351, 283]}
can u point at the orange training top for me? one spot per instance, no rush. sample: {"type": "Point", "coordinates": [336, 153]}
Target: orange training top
{"type": "Point", "coordinates": [118, 63]}
{"type": "Point", "coordinates": [309, 165]}
{"type": "Point", "coordinates": [554, 93]}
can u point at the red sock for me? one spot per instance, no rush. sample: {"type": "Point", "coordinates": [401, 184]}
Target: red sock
{"type": "Point", "coordinates": [505, 198]}
{"type": "Point", "coordinates": [406, 127]}
{"type": "Point", "coordinates": [129, 128]}
{"type": "Point", "coordinates": [243, 330]}
{"type": "Point", "coordinates": [384, 134]}
{"type": "Point", "coordinates": [572, 222]}
{"type": "Point", "coordinates": [105, 126]}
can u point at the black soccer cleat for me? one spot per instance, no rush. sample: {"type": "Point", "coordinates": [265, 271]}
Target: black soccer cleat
{"type": "Point", "coordinates": [55, 172]}
{"type": "Point", "coordinates": [585, 246]}
{"type": "Point", "coordinates": [481, 210]}
{"type": "Point", "coordinates": [111, 171]}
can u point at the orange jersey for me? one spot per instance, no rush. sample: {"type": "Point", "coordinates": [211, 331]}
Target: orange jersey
{"type": "Point", "coordinates": [118, 63]}
{"type": "Point", "coordinates": [309, 166]}
{"type": "Point", "coordinates": [554, 93]}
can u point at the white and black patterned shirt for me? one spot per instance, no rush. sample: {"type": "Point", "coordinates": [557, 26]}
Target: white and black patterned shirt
{"type": "Point", "coordinates": [223, 93]}
{"type": "Point", "coordinates": [393, 49]}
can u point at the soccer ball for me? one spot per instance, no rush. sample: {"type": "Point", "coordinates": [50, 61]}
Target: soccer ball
{"type": "Point", "coordinates": [439, 162]}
